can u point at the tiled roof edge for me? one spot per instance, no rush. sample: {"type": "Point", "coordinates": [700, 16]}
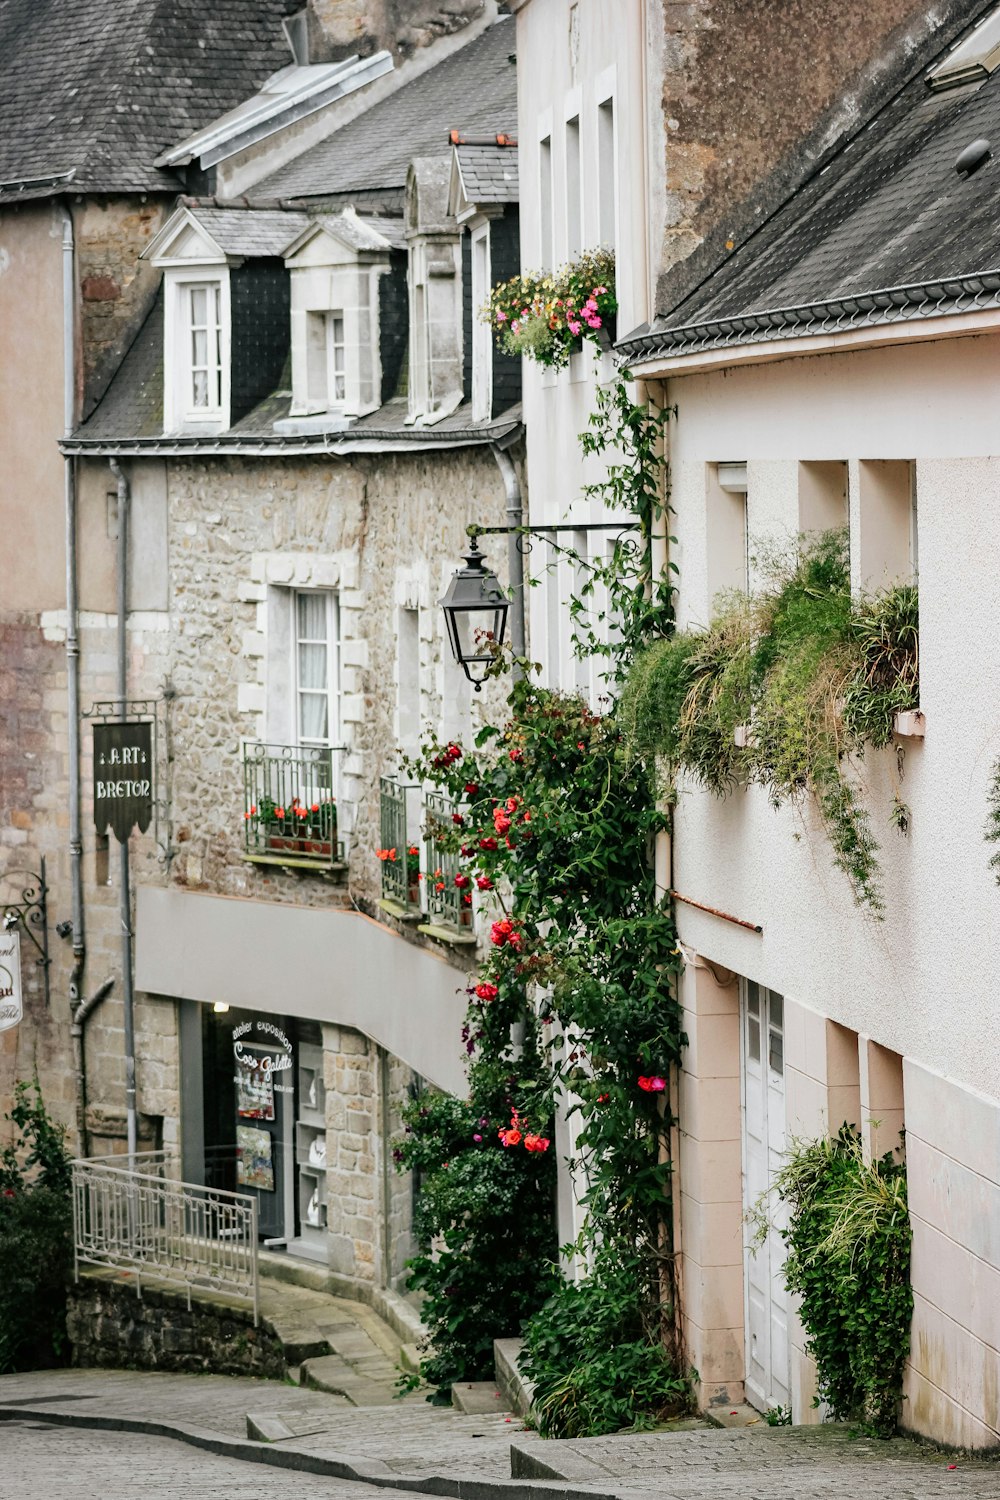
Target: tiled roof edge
{"type": "Point", "coordinates": [261, 447]}
{"type": "Point", "coordinates": [899, 304]}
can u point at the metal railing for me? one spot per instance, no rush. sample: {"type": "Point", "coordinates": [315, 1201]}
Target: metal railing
{"type": "Point", "coordinates": [445, 901]}
{"type": "Point", "coordinates": [290, 811]}
{"type": "Point", "coordinates": [140, 1220]}
{"type": "Point", "coordinates": [398, 822]}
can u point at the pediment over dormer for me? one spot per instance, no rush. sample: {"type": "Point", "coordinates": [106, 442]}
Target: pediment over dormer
{"type": "Point", "coordinates": [183, 239]}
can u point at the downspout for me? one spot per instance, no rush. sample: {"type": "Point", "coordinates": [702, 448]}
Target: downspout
{"type": "Point", "coordinates": [80, 1014]}
{"type": "Point", "coordinates": [128, 997]}
{"type": "Point", "coordinates": [73, 652]}
{"type": "Point", "coordinates": [515, 557]}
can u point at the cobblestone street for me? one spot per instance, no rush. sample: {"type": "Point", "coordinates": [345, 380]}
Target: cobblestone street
{"type": "Point", "coordinates": [39, 1462]}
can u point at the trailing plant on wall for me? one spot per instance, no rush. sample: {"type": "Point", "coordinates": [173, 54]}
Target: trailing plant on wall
{"type": "Point", "coordinates": [546, 316]}
{"type": "Point", "coordinates": [848, 1238]}
{"type": "Point", "coordinates": [36, 1237]}
{"type": "Point", "coordinates": [575, 1002]}
{"type": "Point", "coordinates": [786, 689]}
{"type": "Point", "coordinates": [992, 830]}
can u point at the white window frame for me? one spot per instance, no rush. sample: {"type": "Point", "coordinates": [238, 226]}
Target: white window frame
{"type": "Point", "coordinates": [332, 689]}
{"type": "Point", "coordinates": [179, 409]}
{"type": "Point", "coordinates": [482, 339]}
{"type": "Point", "coordinates": [336, 368]}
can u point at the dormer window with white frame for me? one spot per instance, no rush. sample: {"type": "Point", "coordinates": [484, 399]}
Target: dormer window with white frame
{"type": "Point", "coordinates": [197, 334]}
{"type": "Point", "coordinates": [336, 266]}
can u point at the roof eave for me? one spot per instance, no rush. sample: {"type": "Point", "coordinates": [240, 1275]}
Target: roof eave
{"type": "Point", "coordinates": [333, 444]}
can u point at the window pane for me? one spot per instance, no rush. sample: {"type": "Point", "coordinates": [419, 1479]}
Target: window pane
{"type": "Point", "coordinates": [199, 306]}
{"type": "Point", "coordinates": [753, 998]}
{"type": "Point", "coordinates": [199, 347]}
{"type": "Point", "coordinates": [776, 1052]}
{"type": "Point", "coordinates": [312, 617]}
{"type": "Point", "coordinates": [753, 1038]}
{"type": "Point", "coordinates": [199, 391]}
{"type": "Point", "coordinates": [313, 719]}
{"type": "Point", "coordinates": [776, 1010]}
{"type": "Point", "coordinates": [312, 667]}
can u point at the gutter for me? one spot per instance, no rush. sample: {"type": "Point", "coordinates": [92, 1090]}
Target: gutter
{"type": "Point", "coordinates": [421, 440]}
{"type": "Point", "coordinates": [890, 307]}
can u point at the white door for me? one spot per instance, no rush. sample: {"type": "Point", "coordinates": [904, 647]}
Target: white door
{"type": "Point", "coordinates": [767, 1366]}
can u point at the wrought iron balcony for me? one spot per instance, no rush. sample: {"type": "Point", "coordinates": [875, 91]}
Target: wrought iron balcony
{"type": "Point", "coordinates": [398, 829]}
{"type": "Point", "coordinates": [291, 814]}
{"type": "Point", "coordinates": [448, 904]}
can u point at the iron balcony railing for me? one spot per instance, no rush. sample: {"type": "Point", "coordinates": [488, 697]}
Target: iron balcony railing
{"type": "Point", "coordinates": [399, 821]}
{"type": "Point", "coordinates": [291, 814]}
{"type": "Point", "coordinates": [139, 1219]}
{"type": "Point", "coordinates": [446, 902]}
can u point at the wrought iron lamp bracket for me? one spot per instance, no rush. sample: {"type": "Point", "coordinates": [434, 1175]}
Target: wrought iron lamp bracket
{"type": "Point", "coordinates": [29, 913]}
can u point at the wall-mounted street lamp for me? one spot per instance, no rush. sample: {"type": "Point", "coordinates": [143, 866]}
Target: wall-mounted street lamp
{"type": "Point", "coordinates": [475, 613]}
{"type": "Point", "coordinates": [476, 607]}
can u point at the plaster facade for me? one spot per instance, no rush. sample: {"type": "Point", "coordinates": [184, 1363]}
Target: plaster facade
{"type": "Point", "coordinates": [890, 1021]}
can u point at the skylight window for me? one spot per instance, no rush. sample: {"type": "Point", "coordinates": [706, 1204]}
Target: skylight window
{"type": "Point", "coordinates": [972, 60]}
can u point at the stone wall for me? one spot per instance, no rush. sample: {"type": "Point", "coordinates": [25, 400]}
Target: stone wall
{"type": "Point", "coordinates": [812, 77]}
{"type": "Point", "coordinates": [116, 288]}
{"type": "Point", "coordinates": [369, 1204]}
{"type": "Point", "coordinates": [111, 1327]}
{"type": "Point", "coordinates": [339, 28]}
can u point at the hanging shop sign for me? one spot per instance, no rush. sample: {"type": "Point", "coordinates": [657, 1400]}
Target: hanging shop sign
{"type": "Point", "coordinates": [11, 1009]}
{"type": "Point", "coordinates": [123, 777]}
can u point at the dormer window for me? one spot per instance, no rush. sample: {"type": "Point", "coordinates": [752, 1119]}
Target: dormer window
{"type": "Point", "coordinates": [221, 356]}
{"type": "Point", "coordinates": [202, 312]}
{"type": "Point", "coordinates": [337, 266]}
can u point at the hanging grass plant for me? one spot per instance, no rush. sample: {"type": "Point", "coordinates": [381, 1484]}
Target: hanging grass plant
{"type": "Point", "coordinates": [785, 690]}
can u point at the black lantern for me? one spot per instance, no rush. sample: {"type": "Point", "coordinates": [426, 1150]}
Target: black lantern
{"type": "Point", "coordinates": [475, 611]}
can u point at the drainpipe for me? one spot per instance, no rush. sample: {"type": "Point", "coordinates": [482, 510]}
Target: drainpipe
{"type": "Point", "coordinates": [72, 623]}
{"type": "Point", "coordinates": [80, 1014]}
{"type": "Point", "coordinates": [515, 557]}
{"type": "Point", "coordinates": [128, 997]}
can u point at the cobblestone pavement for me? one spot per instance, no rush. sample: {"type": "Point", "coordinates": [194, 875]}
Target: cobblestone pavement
{"type": "Point", "coordinates": [39, 1462]}
{"type": "Point", "coordinates": [764, 1463]}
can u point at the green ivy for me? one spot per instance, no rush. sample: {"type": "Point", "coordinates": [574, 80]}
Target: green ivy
{"type": "Point", "coordinates": [36, 1237]}
{"type": "Point", "coordinates": [848, 1240]}
{"type": "Point", "coordinates": [786, 689]}
{"type": "Point", "coordinates": [577, 999]}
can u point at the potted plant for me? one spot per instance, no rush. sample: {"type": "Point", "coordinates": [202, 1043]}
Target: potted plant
{"type": "Point", "coordinates": [320, 827]}
{"type": "Point", "coordinates": [413, 875]}
{"type": "Point", "coordinates": [280, 825]}
{"type": "Point", "coordinates": [547, 317]}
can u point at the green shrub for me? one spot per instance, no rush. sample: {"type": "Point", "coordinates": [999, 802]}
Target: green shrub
{"type": "Point", "coordinates": [36, 1237]}
{"type": "Point", "coordinates": [595, 1354]}
{"type": "Point", "coordinates": [848, 1238]}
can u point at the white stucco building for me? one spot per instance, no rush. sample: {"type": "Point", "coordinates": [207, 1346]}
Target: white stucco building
{"type": "Point", "coordinates": [838, 370]}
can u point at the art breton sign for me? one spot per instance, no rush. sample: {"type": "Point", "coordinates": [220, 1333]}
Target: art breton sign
{"type": "Point", "coordinates": [123, 777]}
{"type": "Point", "coordinates": [10, 979]}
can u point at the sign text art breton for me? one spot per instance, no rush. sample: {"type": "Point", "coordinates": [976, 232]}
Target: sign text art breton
{"type": "Point", "coordinates": [10, 979]}
{"type": "Point", "coordinates": [123, 778]}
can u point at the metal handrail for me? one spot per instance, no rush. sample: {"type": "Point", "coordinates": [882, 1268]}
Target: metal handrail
{"type": "Point", "coordinates": [396, 813]}
{"type": "Point", "coordinates": [301, 783]}
{"type": "Point", "coordinates": [181, 1233]}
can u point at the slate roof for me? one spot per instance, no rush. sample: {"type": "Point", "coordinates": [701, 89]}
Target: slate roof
{"type": "Point", "coordinates": [489, 173]}
{"type": "Point", "coordinates": [101, 87]}
{"type": "Point", "coordinates": [129, 417]}
{"type": "Point", "coordinates": [474, 91]}
{"type": "Point", "coordinates": [251, 231]}
{"type": "Point", "coordinates": [887, 231]}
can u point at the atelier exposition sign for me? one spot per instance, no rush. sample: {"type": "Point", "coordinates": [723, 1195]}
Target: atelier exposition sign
{"type": "Point", "coordinates": [10, 979]}
{"type": "Point", "coordinates": [123, 771]}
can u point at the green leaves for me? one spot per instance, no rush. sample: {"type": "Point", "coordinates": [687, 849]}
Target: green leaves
{"type": "Point", "coordinates": [848, 1239]}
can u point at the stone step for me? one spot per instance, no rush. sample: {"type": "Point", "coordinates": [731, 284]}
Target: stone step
{"type": "Point", "coordinates": [478, 1398]}
{"type": "Point", "coordinates": [333, 1374]}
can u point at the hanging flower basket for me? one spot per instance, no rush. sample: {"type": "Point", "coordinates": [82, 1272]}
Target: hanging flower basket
{"type": "Point", "coordinates": [547, 318]}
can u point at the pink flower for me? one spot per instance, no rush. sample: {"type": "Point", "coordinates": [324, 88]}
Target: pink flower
{"type": "Point", "coordinates": [501, 318]}
{"type": "Point", "coordinates": [654, 1085]}
{"type": "Point", "coordinates": [573, 326]}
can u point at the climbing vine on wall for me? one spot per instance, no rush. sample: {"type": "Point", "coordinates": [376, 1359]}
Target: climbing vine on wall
{"type": "Point", "coordinates": [555, 824]}
{"type": "Point", "coordinates": [786, 690]}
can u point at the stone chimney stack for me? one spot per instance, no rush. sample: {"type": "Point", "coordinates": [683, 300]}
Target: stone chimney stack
{"type": "Point", "coordinates": [339, 28]}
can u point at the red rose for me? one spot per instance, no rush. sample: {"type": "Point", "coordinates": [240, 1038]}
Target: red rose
{"type": "Point", "coordinates": [489, 844]}
{"type": "Point", "coordinates": [487, 991]}
{"type": "Point", "coordinates": [484, 882]}
{"type": "Point", "coordinates": [471, 788]}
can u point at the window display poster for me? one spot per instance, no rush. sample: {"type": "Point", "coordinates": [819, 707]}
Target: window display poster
{"type": "Point", "coordinates": [254, 1163]}
{"type": "Point", "coordinates": [254, 1088]}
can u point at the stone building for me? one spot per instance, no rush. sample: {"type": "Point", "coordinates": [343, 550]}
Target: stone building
{"type": "Point", "coordinates": [296, 428]}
